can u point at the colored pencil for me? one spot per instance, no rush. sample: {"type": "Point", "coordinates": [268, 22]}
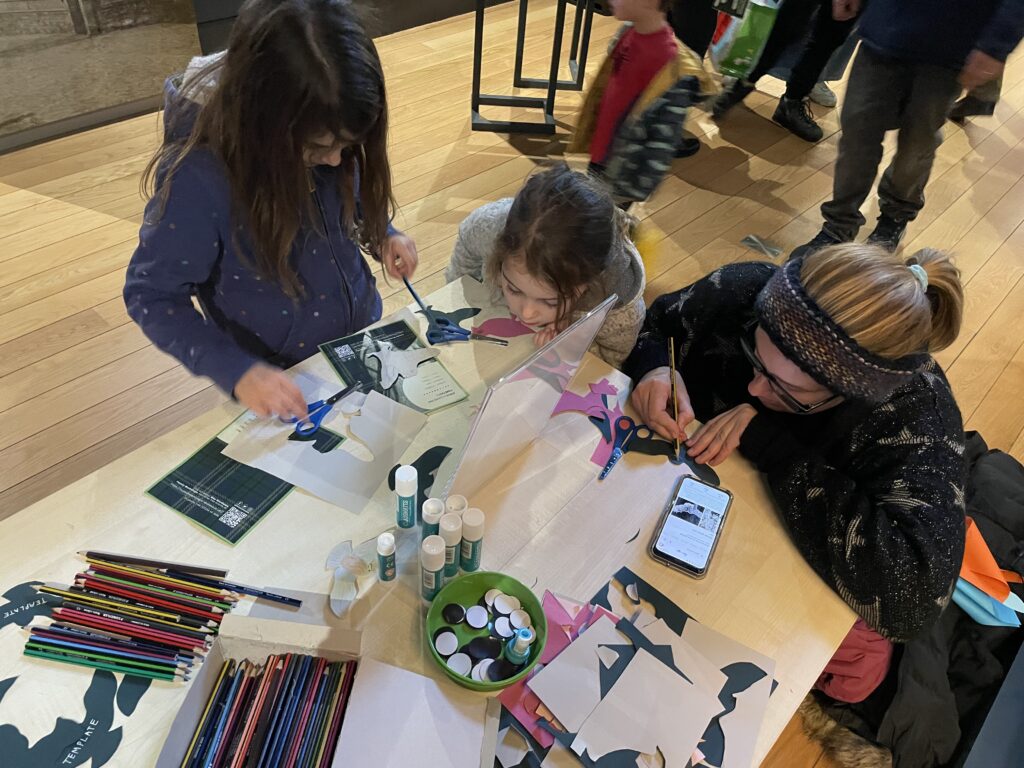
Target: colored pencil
{"type": "Point", "coordinates": [82, 597]}
{"type": "Point", "coordinates": [143, 562]}
{"type": "Point", "coordinates": [127, 606]}
{"type": "Point", "coordinates": [206, 714]}
{"type": "Point", "coordinates": [672, 377]}
{"type": "Point", "coordinates": [173, 677]}
{"type": "Point", "coordinates": [221, 694]}
{"type": "Point", "coordinates": [292, 710]}
{"type": "Point", "coordinates": [239, 588]}
{"type": "Point", "coordinates": [96, 633]}
{"type": "Point", "coordinates": [157, 601]}
{"type": "Point", "coordinates": [168, 658]}
{"type": "Point", "coordinates": [84, 653]}
{"type": "Point", "coordinates": [315, 716]}
{"type": "Point", "coordinates": [159, 579]}
{"type": "Point", "coordinates": [170, 594]}
{"type": "Point", "coordinates": [278, 714]}
{"type": "Point", "coordinates": [132, 631]}
{"type": "Point", "coordinates": [127, 617]}
{"type": "Point", "coordinates": [270, 671]}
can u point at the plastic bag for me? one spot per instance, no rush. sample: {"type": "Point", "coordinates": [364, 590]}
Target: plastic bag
{"type": "Point", "coordinates": [738, 43]}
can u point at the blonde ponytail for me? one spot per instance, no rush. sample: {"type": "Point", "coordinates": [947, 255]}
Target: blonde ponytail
{"type": "Point", "coordinates": [884, 306]}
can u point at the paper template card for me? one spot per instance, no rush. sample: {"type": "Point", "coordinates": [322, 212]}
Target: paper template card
{"type": "Point", "coordinates": [649, 709]}
{"type": "Point", "coordinates": [570, 686]}
{"type": "Point", "coordinates": [397, 719]}
{"type": "Point", "coordinates": [383, 426]}
{"type": "Point", "coordinates": [222, 495]}
{"type": "Point", "coordinates": [389, 359]}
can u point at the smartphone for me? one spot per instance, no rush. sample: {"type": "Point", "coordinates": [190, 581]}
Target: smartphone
{"type": "Point", "coordinates": [689, 530]}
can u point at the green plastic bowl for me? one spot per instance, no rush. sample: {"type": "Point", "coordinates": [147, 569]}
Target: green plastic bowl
{"type": "Point", "coordinates": [467, 590]}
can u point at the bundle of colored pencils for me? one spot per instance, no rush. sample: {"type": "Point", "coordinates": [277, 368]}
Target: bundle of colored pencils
{"type": "Point", "coordinates": [286, 712]}
{"type": "Point", "coordinates": [128, 615]}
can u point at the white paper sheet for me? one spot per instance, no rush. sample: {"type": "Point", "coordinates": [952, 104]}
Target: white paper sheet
{"type": "Point", "coordinates": [383, 430]}
{"type": "Point", "coordinates": [570, 686]}
{"type": "Point", "coordinates": [694, 665]}
{"type": "Point", "coordinates": [397, 719]}
{"type": "Point", "coordinates": [512, 748]}
{"type": "Point", "coordinates": [647, 710]}
{"type": "Point", "coordinates": [560, 757]}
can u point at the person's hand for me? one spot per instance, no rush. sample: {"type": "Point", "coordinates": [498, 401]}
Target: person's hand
{"type": "Point", "coordinates": [652, 399]}
{"type": "Point", "coordinates": [399, 256]}
{"type": "Point", "coordinates": [844, 10]}
{"type": "Point", "coordinates": [979, 69]}
{"type": "Point", "coordinates": [542, 337]}
{"type": "Point", "coordinates": [715, 441]}
{"type": "Point", "coordinates": [268, 391]}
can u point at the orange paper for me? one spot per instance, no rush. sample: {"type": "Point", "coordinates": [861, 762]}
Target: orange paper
{"type": "Point", "coordinates": [980, 568]}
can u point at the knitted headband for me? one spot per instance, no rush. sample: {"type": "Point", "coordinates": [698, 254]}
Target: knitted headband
{"type": "Point", "coordinates": [823, 350]}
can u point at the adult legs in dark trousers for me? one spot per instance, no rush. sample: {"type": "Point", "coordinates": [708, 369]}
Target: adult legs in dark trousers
{"type": "Point", "coordinates": [694, 23]}
{"type": "Point", "coordinates": [827, 35]}
{"type": "Point", "coordinates": [978, 102]}
{"type": "Point", "coordinates": [885, 94]}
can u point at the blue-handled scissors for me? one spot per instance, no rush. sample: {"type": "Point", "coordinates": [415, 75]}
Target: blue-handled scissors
{"type": "Point", "coordinates": [625, 430]}
{"type": "Point", "coordinates": [317, 411]}
{"type": "Point", "coordinates": [441, 330]}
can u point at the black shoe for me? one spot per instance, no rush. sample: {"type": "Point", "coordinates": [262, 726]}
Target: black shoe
{"type": "Point", "coordinates": [821, 240]}
{"type": "Point", "coordinates": [971, 106]}
{"type": "Point", "coordinates": [795, 116]}
{"type": "Point", "coordinates": [688, 146]}
{"type": "Point", "coordinates": [730, 97]}
{"type": "Point", "coordinates": [888, 233]}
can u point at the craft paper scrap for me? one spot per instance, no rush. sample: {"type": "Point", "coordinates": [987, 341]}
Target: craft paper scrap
{"type": "Point", "coordinates": [982, 607]}
{"type": "Point", "coordinates": [503, 327]}
{"type": "Point", "coordinates": [570, 686]}
{"type": "Point", "coordinates": [389, 359]}
{"type": "Point", "coordinates": [696, 666]}
{"type": "Point", "coordinates": [512, 748]}
{"type": "Point", "coordinates": [560, 757]}
{"type": "Point", "coordinates": [980, 569]}
{"type": "Point", "coordinates": [398, 719]}
{"type": "Point", "coordinates": [643, 712]}
{"type": "Point", "coordinates": [222, 495]}
{"type": "Point", "coordinates": [383, 427]}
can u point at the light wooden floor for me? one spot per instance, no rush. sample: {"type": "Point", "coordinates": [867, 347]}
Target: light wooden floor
{"type": "Point", "coordinates": [80, 385]}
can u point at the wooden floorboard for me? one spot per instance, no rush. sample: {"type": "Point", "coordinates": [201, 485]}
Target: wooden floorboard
{"type": "Point", "coordinates": [80, 385]}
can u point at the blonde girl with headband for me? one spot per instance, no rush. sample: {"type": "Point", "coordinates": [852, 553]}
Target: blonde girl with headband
{"type": "Point", "coordinates": [820, 373]}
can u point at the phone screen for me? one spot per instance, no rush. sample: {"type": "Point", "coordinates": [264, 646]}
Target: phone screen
{"type": "Point", "coordinates": [692, 524]}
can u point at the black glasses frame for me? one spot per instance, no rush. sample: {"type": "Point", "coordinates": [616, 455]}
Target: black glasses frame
{"type": "Point", "coordinates": [776, 386]}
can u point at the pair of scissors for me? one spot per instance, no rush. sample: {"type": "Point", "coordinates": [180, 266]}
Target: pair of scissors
{"type": "Point", "coordinates": [441, 330]}
{"type": "Point", "coordinates": [625, 429]}
{"type": "Point", "coordinates": [317, 411]}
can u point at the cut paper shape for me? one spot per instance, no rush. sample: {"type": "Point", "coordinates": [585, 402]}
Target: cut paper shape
{"type": "Point", "coordinates": [512, 748]}
{"type": "Point", "coordinates": [384, 427]}
{"type": "Point", "coordinates": [762, 246]}
{"type": "Point", "coordinates": [979, 568]}
{"type": "Point", "coordinates": [570, 685]}
{"type": "Point", "coordinates": [426, 471]}
{"type": "Point", "coordinates": [455, 317]}
{"type": "Point", "coordinates": [323, 440]}
{"type": "Point", "coordinates": [685, 657]}
{"type": "Point", "coordinates": [560, 756]}
{"type": "Point", "coordinates": [982, 607]}
{"type": "Point", "coordinates": [503, 327]}
{"type": "Point", "coordinates": [625, 719]}
{"type": "Point", "coordinates": [489, 743]}
{"type": "Point", "coordinates": [549, 368]}
{"type": "Point", "coordinates": [593, 404]}
{"type": "Point", "coordinates": [395, 363]}
{"type": "Point", "coordinates": [662, 608]}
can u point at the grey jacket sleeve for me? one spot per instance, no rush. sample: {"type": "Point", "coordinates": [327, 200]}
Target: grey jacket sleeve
{"type": "Point", "coordinates": [477, 238]}
{"type": "Point", "coordinates": [618, 335]}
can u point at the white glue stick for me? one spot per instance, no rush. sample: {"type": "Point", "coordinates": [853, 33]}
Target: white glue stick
{"type": "Point", "coordinates": [472, 538]}
{"type": "Point", "coordinates": [431, 566]}
{"type": "Point", "coordinates": [451, 533]}
{"type": "Point", "coordinates": [406, 490]}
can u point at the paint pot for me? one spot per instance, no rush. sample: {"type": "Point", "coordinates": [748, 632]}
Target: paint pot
{"type": "Point", "coordinates": [472, 539]}
{"type": "Point", "coordinates": [456, 504]}
{"type": "Point", "coordinates": [386, 556]}
{"type": "Point", "coordinates": [451, 532]}
{"type": "Point", "coordinates": [518, 649]}
{"type": "Point", "coordinates": [431, 566]}
{"type": "Point", "coordinates": [406, 482]}
{"type": "Point", "coordinates": [431, 513]}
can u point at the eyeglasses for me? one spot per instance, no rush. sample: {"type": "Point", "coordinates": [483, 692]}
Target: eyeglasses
{"type": "Point", "coordinates": [776, 386]}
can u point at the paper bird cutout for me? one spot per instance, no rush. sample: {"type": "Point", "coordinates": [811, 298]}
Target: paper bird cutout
{"type": "Point", "coordinates": [503, 327]}
{"type": "Point", "coordinates": [395, 363]}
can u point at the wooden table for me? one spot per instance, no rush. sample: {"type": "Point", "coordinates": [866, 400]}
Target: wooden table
{"type": "Point", "coordinates": [549, 524]}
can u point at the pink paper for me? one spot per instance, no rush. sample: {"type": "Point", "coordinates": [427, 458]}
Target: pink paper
{"type": "Point", "coordinates": [594, 404]}
{"type": "Point", "coordinates": [520, 700]}
{"type": "Point", "coordinates": [503, 327]}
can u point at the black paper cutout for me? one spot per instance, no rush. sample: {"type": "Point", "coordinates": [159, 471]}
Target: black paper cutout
{"type": "Point", "coordinates": [73, 743]}
{"type": "Point", "coordinates": [323, 440]}
{"type": "Point", "coordinates": [656, 446]}
{"type": "Point", "coordinates": [23, 603]}
{"type": "Point", "coordinates": [426, 471]}
{"type": "Point", "coordinates": [634, 537]}
{"type": "Point", "coordinates": [456, 317]}
{"type": "Point", "coordinates": [674, 616]}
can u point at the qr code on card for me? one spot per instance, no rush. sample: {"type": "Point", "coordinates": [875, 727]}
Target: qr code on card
{"type": "Point", "coordinates": [344, 351]}
{"type": "Point", "coordinates": [233, 517]}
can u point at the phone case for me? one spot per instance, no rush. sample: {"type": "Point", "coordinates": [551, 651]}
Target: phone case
{"type": "Point", "coordinates": [675, 564]}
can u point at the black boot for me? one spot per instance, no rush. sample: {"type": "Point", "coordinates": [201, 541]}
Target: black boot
{"type": "Point", "coordinates": [888, 233]}
{"type": "Point", "coordinates": [795, 116]}
{"type": "Point", "coordinates": [688, 146]}
{"type": "Point", "coordinates": [730, 97]}
{"type": "Point", "coordinates": [971, 106]}
{"type": "Point", "coordinates": [821, 240]}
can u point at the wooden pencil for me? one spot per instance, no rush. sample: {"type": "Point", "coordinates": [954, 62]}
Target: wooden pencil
{"type": "Point", "coordinates": [62, 659]}
{"type": "Point", "coordinates": [224, 604]}
{"type": "Point", "coordinates": [153, 577]}
{"type": "Point", "coordinates": [672, 378]}
{"type": "Point", "coordinates": [206, 714]}
{"type": "Point", "coordinates": [143, 562]}
{"type": "Point", "coordinates": [158, 601]}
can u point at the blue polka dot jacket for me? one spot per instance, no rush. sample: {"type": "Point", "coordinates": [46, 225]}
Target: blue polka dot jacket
{"type": "Point", "coordinates": [198, 250]}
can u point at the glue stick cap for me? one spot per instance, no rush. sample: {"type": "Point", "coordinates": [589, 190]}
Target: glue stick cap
{"type": "Point", "coordinates": [386, 544]}
{"type": "Point", "coordinates": [456, 503]}
{"type": "Point", "coordinates": [524, 639]}
{"type": "Point", "coordinates": [405, 480]}
{"type": "Point", "coordinates": [451, 529]}
{"type": "Point", "coordinates": [432, 511]}
{"type": "Point", "coordinates": [473, 524]}
{"type": "Point", "coordinates": [432, 553]}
